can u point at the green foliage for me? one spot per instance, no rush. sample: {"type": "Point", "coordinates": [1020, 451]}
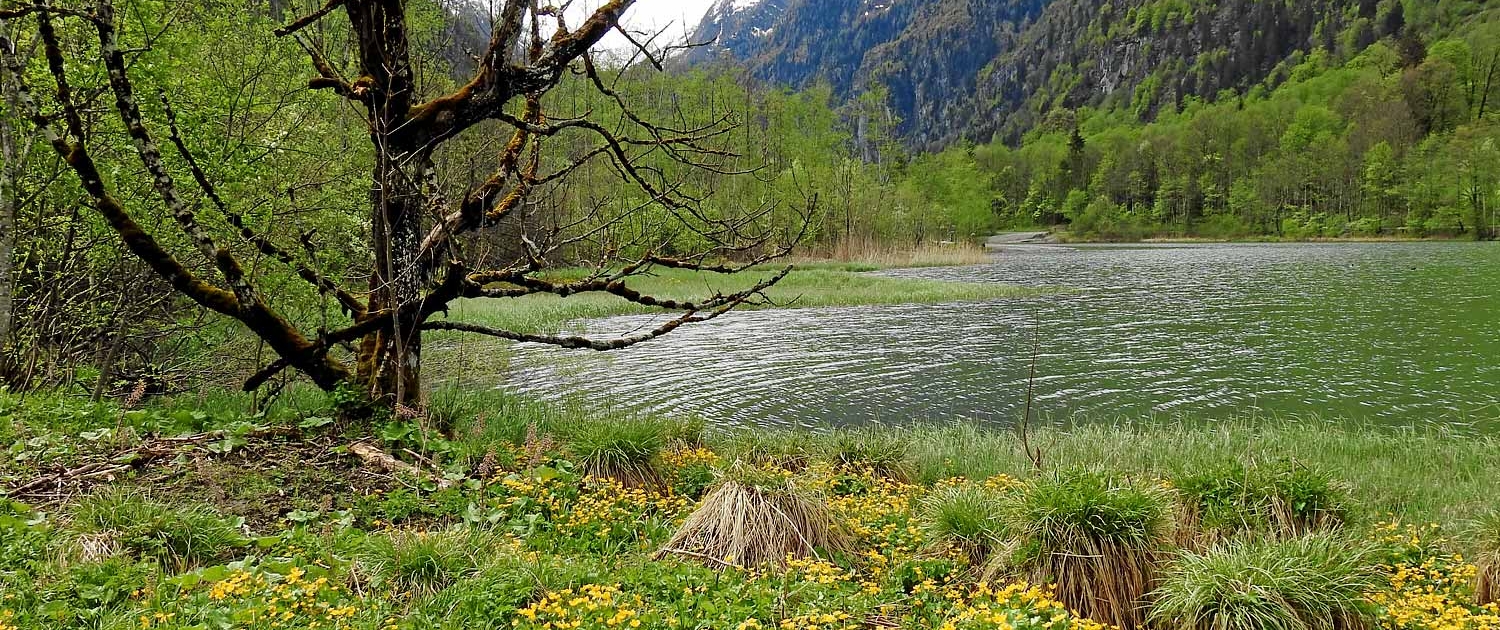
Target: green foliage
{"type": "Point", "coordinates": [423, 563]}
{"type": "Point", "coordinates": [1281, 498]}
{"type": "Point", "coordinates": [1302, 583]}
{"type": "Point", "coordinates": [626, 450]}
{"type": "Point", "coordinates": [883, 451]}
{"type": "Point", "coordinates": [181, 536]}
{"type": "Point", "coordinates": [1070, 511]}
{"type": "Point", "coordinates": [965, 516]}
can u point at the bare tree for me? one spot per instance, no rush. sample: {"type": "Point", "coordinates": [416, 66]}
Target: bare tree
{"type": "Point", "coordinates": [423, 231]}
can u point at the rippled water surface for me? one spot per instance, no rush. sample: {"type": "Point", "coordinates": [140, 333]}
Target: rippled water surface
{"type": "Point", "coordinates": [1396, 332]}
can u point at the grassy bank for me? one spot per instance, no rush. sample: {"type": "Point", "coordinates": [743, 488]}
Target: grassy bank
{"type": "Point", "coordinates": [516, 514]}
{"type": "Point", "coordinates": [812, 284]}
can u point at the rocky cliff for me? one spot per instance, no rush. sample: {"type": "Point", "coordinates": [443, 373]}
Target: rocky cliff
{"type": "Point", "coordinates": [981, 68]}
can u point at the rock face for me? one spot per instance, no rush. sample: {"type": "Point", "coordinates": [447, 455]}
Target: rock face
{"type": "Point", "coordinates": [978, 69]}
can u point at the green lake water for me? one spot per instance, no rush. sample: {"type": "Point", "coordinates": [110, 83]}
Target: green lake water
{"type": "Point", "coordinates": [1387, 332]}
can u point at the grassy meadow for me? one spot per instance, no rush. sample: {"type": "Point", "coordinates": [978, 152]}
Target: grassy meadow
{"type": "Point", "coordinates": [511, 513]}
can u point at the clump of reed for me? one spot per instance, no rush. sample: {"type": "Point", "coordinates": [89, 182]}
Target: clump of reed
{"type": "Point", "coordinates": [1313, 582]}
{"type": "Point", "coordinates": [755, 516]}
{"type": "Point", "coordinates": [884, 452]}
{"type": "Point", "coordinates": [1484, 535]}
{"type": "Point", "coordinates": [1098, 538]}
{"type": "Point", "coordinates": [424, 563]}
{"type": "Point", "coordinates": [626, 450]}
{"type": "Point", "coordinates": [965, 517]}
{"type": "Point", "coordinates": [1281, 499]}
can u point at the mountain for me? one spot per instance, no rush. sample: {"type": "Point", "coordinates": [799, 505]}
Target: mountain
{"type": "Point", "coordinates": [924, 52]}
{"type": "Point", "coordinates": [977, 69]}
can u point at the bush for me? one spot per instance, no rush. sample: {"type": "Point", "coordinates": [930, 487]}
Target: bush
{"type": "Point", "coordinates": [423, 563]}
{"type": "Point", "coordinates": [1097, 538]}
{"type": "Point", "coordinates": [1284, 500]}
{"type": "Point", "coordinates": [182, 536]}
{"type": "Point", "coordinates": [1303, 499]}
{"type": "Point", "coordinates": [966, 517]}
{"type": "Point", "coordinates": [1313, 582]}
{"type": "Point", "coordinates": [92, 594]}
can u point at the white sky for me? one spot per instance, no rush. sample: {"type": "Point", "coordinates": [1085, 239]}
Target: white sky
{"type": "Point", "coordinates": [649, 15]}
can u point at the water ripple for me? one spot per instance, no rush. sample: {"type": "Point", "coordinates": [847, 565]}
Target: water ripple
{"type": "Point", "coordinates": [1399, 332]}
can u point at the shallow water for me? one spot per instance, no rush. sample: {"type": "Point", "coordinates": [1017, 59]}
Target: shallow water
{"type": "Point", "coordinates": [1390, 332]}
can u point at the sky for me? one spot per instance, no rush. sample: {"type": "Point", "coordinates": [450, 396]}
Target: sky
{"type": "Point", "coordinates": [649, 15]}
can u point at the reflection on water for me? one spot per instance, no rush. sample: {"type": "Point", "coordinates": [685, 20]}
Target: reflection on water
{"type": "Point", "coordinates": [1396, 332]}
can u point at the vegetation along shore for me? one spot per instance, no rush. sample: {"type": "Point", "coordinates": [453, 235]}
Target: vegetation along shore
{"type": "Point", "coordinates": [552, 516]}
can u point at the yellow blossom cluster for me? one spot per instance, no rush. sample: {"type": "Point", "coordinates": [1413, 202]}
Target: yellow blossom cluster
{"type": "Point", "coordinates": [1015, 606]}
{"type": "Point", "coordinates": [605, 504]}
{"type": "Point", "coordinates": [1429, 587]}
{"type": "Point", "coordinates": [262, 599]}
{"type": "Point", "coordinates": [593, 606]}
{"type": "Point", "coordinates": [689, 456]}
{"type": "Point", "coordinates": [7, 619]}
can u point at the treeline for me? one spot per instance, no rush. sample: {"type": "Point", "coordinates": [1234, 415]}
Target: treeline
{"type": "Point", "coordinates": [1400, 139]}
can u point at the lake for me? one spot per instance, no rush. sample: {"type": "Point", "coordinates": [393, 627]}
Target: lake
{"type": "Point", "coordinates": [1388, 332]}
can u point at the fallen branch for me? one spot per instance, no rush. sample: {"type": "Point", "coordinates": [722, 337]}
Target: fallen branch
{"type": "Point", "coordinates": [376, 458]}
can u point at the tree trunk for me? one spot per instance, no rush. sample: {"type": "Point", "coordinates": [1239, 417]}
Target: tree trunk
{"type": "Point", "coordinates": [390, 361]}
{"type": "Point", "coordinates": [8, 199]}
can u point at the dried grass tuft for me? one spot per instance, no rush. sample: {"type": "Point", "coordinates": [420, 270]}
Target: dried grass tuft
{"type": "Point", "coordinates": [755, 518]}
{"type": "Point", "coordinates": [1485, 536]}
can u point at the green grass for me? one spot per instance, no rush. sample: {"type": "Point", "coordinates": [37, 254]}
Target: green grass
{"type": "Point", "coordinates": [423, 563]}
{"type": "Point", "coordinates": [625, 450]}
{"type": "Point", "coordinates": [1423, 473]}
{"type": "Point", "coordinates": [966, 517]}
{"type": "Point", "coordinates": [1097, 536]}
{"type": "Point", "coordinates": [1280, 497]}
{"type": "Point", "coordinates": [179, 535]}
{"type": "Point", "coordinates": [1313, 582]}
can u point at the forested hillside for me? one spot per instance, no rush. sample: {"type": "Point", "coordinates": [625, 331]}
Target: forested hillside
{"type": "Point", "coordinates": [1397, 138]}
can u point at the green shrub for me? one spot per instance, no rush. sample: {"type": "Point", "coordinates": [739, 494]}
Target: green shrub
{"type": "Point", "coordinates": [967, 517]}
{"type": "Point", "coordinates": [1097, 538]}
{"type": "Point", "coordinates": [1217, 502]}
{"type": "Point", "coordinates": [1314, 582]}
{"type": "Point", "coordinates": [23, 538]}
{"type": "Point", "coordinates": [182, 536]}
{"type": "Point", "coordinates": [1303, 499]}
{"type": "Point", "coordinates": [93, 594]}
{"type": "Point", "coordinates": [423, 563]}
